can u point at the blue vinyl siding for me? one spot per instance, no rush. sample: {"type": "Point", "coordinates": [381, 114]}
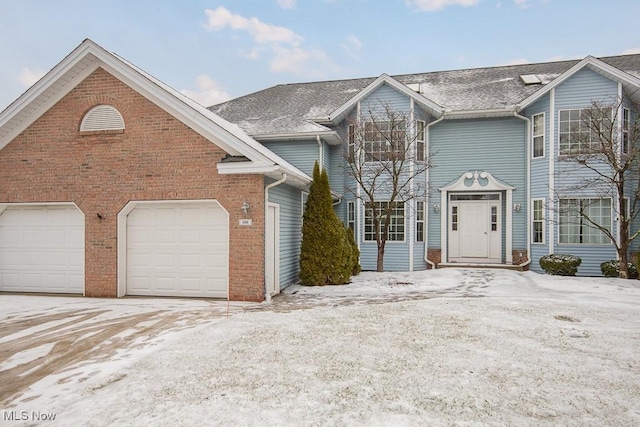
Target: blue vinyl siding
{"type": "Point", "coordinates": [496, 146]}
{"type": "Point", "coordinates": [290, 201]}
{"type": "Point", "coordinates": [385, 95]}
{"type": "Point", "coordinates": [584, 87]}
{"type": "Point", "coordinates": [300, 153]}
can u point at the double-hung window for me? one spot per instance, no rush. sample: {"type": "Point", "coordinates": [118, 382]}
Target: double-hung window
{"type": "Point", "coordinates": [351, 150]}
{"type": "Point", "coordinates": [625, 130]}
{"type": "Point", "coordinates": [396, 221]}
{"type": "Point", "coordinates": [384, 140]}
{"type": "Point", "coordinates": [578, 217]}
{"type": "Point", "coordinates": [419, 221]}
{"type": "Point", "coordinates": [537, 227]}
{"type": "Point", "coordinates": [538, 135]}
{"type": "Point", "coordinates": [420, 139]}
{"type": "Point", "coordinates": [351, 215]}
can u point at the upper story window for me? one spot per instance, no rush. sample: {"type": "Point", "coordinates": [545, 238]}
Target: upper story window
{"type": "Point", "coordinates": [538, 135]}
{"type": "Point", "coordinates": [625, 130]}
{"type": "Point", "coordinates": [384, 140]}
{"type": "Point", "coordinates": [352, 142]}
{"type": "Point", "coordinates": [102, 117]}
{"type": "Point", "coordinates": [420, 139]}
{"type": "Point", "coordinates": [579, 129]}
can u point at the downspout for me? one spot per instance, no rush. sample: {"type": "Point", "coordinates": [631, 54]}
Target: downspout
{"type": "Point", "coordinates": [320, 152]}
{"type": "Point", "coordinates": [426, 205]}
{"type": "Point", "coordinates": [528, 160]}
{"type": "Point", "coordinates": [267, 295]}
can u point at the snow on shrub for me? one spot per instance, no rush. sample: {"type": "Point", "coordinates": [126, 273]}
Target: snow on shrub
{"type": "Point", "coordinates": [560, 265]}
{"type": "Point", "coordinates": [612, 269]}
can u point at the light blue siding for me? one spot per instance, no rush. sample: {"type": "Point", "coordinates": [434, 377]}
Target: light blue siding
{"type": "Point", "coordinates": [494, 145]}
{"type": "Point", "coordinates": [383, 96]}
{"type": "Point", "coordinates": [290, 201]}
{"type": "Point", "coordinates": [584, 87]}
{"type": "Point", "coordinates": [300, 153]}
{"type": "Point", "coordinates": [592, 256]}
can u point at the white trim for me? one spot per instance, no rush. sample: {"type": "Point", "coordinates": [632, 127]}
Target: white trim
{"type": "Point", "coordinates": [552, 169]}
{"type": "Point", "coordinates": [543, 220]}
{"type": "Point", "coordinates": [412, 162]}
{"type": "Point", "coordinates": [276, 244]}
{"type": "Point", "coordinates": [122, 235]}
{"type": "Point", "coordinates": [339, 113]}
{"type": "Point", "coordinates": [544, 136]}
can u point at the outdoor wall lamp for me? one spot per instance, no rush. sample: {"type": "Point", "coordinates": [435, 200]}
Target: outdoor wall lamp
{"type": "Point", "coordinates": [245, 207]}
{"type": "Point", "coordinates": [517, 207]}
{"type": "Point", "coordinates": [436, 208]}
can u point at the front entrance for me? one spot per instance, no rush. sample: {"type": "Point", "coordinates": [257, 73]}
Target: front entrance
{"type": "Point", "coordinates": [475, 226]}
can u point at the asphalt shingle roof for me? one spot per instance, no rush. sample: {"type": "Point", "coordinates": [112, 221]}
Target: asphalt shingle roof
{"type": "Point", "coordinates": [291, 108]}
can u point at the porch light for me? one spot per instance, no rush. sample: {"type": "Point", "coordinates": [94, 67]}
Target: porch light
{"type": "Point", "coordinates": [245, 207]}
{"type": "Point", "coordinates": [517, 207]}
{"type": "Point", "coordinates": [436, 208]}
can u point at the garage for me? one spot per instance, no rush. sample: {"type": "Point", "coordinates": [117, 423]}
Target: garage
{"type": "Point", "coordinates": [42, 248]}
{"type": "Point", "coordinates": [177, 249]}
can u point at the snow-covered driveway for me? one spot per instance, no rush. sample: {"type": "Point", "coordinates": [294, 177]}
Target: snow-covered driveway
{"type": "Point", "coordinates": [466, 347]}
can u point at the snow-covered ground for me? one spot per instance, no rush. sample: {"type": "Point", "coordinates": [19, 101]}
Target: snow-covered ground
{"type": "Point", "coordinates": [443, 347]}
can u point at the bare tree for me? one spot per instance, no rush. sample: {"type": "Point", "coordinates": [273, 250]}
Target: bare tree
{"type": "Point", "coordinates": [386, 152]}
{"type": "Point", "coordinates": [602, 140]}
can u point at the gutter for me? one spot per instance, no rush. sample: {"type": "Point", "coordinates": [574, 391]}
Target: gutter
{"type": "Point", "coordinates": [426, 205]}
{"type": "Point", "coordinates": [267, 295]}
{"type": "Point", "coordinates": [527, 157]}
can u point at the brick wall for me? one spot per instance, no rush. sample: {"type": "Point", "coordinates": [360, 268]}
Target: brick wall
{"type": "Point", "coordinates": [156, 158]}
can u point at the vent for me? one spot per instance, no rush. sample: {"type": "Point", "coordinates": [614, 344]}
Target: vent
{"type": "Point", "coordinates": [530, 79]}
{"type": "Point", "coordinates": [102, 117]}
{"type": "Point", "coordinates": [416, 87]}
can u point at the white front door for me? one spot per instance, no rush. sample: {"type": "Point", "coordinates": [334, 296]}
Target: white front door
{"type": "Point", "coordinates": [474, 228]}
{"type": "Point", "coordinates": [475, 231]}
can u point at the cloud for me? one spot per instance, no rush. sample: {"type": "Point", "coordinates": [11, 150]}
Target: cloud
{"type": "Point", "coordinates": [631, 51]}
{"type": "Point", "coordinates": [434, 5]}
{"type": "Point", "coordinates": [301, 62]}
{"type": "Point", "coordinates": [28, 77]}
{"type": "Point", "coordinates": [261, 32]}
{"type": "Point", "coordinates": [287, 4]}
{"type": "Point", "coordinates": [208, 93]}
{"type": "Point", "coordinates": [523, 4]}
{"type": "Point", "coordinates": [282, 46]}
{"type": "Point", "coordinates": [352, 45]}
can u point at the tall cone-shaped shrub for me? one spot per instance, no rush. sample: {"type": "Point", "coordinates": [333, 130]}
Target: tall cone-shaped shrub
{"type": "Point", "coordinates": [355, 252]}
{"type": "Point", "coordinates": [325, 254]}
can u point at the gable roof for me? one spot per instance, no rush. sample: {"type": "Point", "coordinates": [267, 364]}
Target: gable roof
{"type": "Point", "coordinates": [89, 56]}
{"type": "Point", "coordinates": [478, 92]}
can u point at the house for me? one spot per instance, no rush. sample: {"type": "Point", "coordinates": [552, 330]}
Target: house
{"type": "Point", "coordinates": [112, 183]}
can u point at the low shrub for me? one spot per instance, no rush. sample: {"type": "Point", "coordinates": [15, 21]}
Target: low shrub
{"type": "Point", "coordinates": [560, 265]}
{"type": "Point", "coordinates": [612, 269]}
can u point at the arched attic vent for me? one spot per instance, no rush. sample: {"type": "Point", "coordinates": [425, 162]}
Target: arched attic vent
{"type": "Point", "coordinates": [102, 117]}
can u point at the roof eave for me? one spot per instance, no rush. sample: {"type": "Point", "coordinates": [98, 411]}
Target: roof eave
{"type": "Point", "coordinates": [330, 136]}
{"type": "Point", "coordinates": [477, 114]}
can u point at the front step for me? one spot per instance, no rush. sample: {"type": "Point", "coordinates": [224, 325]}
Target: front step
{"type": "Point", "coordinates": [471, 265]}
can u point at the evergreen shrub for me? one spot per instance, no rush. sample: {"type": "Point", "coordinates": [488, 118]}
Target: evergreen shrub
{"type": "Point", "coordinates": [560, 265]}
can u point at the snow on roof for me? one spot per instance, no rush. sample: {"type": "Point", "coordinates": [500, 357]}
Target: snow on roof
{"type": "Point", "coordinates": [291, 108]}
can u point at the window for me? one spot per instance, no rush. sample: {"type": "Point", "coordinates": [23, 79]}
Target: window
{"type": "Point", "coordinates": [537, 227]}
{"type": "Point", "coordinates": [494, 218]}
{"type": "Point", "coordinates": [396, 224]}
{"type": "Point", "coordinates": [100, 118]}
{"type": "Point", "coordinates": [538, 135]}
{"type": "Point", "coordinates": [454, 218]}
{"type": "Point", "coordinates": [352, 142]}
{"type": "Point", "coordinates": [577, 131]}
{"type": "Point", "coordinates": [419, 221]}
{"type": "Point", "coordinates": [351, 216]}
{"type": "Point", "coordinates": [575, 228]}
{"type": "Point", "coordinates": [420, 139]}
{"type": "Point", "coordinates": [625, 130]}
{"type": "Point", "coordinates": [384, 140]}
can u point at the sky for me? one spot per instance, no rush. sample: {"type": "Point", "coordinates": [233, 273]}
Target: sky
{"type": "Point", "coordinates": [216, 50]}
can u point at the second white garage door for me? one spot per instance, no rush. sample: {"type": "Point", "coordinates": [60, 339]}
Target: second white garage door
{"type": "Point", "coordinates": [179, 249]}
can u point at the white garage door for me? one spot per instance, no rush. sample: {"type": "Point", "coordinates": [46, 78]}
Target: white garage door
{"type": "Point", "coordinates": [42, 249]}
{"type": "Point", "coordinates": [179, 249]}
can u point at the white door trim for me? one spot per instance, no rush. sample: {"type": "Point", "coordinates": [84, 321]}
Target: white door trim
{"type": "Point", "coordinates": [272, 262]}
